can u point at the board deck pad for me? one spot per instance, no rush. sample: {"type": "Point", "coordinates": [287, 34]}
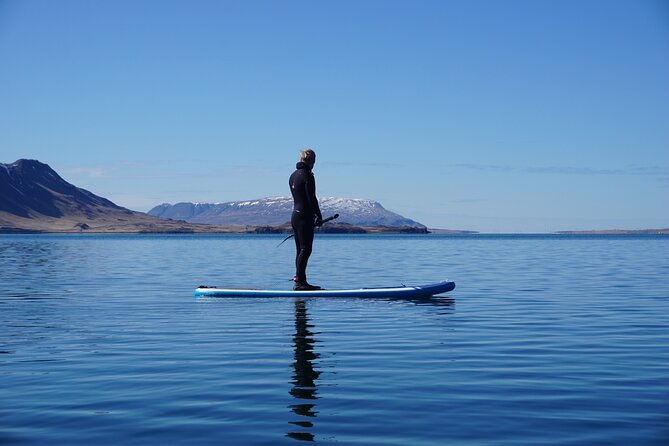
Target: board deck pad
{"type": "Point", "coordinates": [396, 291]}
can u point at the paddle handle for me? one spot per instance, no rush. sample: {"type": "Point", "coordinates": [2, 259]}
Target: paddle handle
{"type": "Point", "coordinates": [324, 221]}
{"type": "Point", "coordinates": [330, 219]}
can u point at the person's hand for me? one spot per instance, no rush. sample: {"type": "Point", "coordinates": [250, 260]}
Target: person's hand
{"type": "Point", "coordinates": [319, 222]}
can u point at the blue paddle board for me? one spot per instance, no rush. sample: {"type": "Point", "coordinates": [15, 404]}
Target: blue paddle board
{"type": "Point", "coordinates": [401, 291]}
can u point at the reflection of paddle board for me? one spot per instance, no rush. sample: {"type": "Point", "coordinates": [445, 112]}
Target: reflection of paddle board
{"type": "Point", "coordinates": [401, 291]}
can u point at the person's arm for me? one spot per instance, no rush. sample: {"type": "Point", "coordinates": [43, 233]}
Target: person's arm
{"type": "Point", "coordinates": [313, 201]}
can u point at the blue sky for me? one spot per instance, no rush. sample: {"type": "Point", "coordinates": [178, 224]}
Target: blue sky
{"type": "Point", "coordinates": [496, 116]}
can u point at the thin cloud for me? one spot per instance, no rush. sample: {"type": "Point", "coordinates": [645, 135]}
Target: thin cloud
{"type": "Point", "coordinates": [86, 172]}
{"type": "Point", "coordinates": [129, 170]}
{"type": "Point", "coordinates": [327, 164]}
{"type": "Point", "coordinates": [654, 171]}
{"type": "Point", "coordinates": [485, 167]}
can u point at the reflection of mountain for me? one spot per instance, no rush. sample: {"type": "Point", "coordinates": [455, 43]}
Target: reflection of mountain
{"type": "Point", "coordinates": [305, 376]}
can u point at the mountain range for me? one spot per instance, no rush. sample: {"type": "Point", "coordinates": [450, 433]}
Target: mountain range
{"type": "Point", "coordinates": [34, 198]}
{"type": "Point", "coordinates": [277, 211]}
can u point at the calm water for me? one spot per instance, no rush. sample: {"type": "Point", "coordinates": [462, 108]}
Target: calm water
{"type": "Point", "coordinates": [546, 340]}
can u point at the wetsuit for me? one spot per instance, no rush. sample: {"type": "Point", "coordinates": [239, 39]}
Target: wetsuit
{"type": "Point", "coordinates": [306, 214]}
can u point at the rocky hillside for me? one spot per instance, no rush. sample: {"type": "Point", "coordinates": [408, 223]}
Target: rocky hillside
{"type": "Point", "coordinates": [277, 210]}
{"type": "Point", "coordinates": [34, 198]}
{"type": "Point", "coordinates": [32, 189]}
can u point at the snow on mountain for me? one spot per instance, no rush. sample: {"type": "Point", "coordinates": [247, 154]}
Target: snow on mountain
{"type": "Point", "coordinates": [277, 210]}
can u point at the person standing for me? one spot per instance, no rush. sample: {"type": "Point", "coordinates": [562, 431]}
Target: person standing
{"type": "Point", "coordinates": [306, 216]}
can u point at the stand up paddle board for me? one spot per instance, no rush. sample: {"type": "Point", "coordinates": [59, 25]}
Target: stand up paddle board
{"type": "Point", "coordinates": [401, 291]}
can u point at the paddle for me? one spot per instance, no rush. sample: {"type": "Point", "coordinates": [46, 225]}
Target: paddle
{"type": "Point", "coordinates": [322, 223]}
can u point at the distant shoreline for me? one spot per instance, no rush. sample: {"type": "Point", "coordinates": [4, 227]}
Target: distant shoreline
{"type": "Point", "coordinates": [617, 231]}
{"type": "Point", "coordinates": [264, 230]}
{"type": "Point", "coordinates": [174, 227]}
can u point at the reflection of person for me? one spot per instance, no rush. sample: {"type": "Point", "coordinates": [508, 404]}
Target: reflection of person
{"type": "Point", "coordinates": [306, 216]}
{"type": "Point", "coordinates": [304, 379]}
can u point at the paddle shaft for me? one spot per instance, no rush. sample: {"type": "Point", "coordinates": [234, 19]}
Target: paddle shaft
{"type": "Point", "coordinates": [322, 223]}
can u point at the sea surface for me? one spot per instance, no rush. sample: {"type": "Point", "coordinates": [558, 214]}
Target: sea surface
{"type": "Point", "coordinates": [547, 340]}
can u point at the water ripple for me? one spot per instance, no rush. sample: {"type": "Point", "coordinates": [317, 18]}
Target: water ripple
{"type": "Point", "coordinates": [546, 340]}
